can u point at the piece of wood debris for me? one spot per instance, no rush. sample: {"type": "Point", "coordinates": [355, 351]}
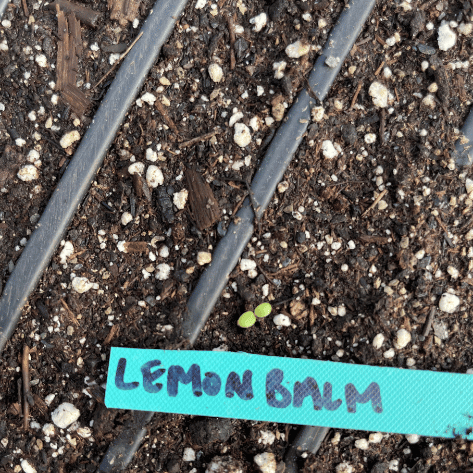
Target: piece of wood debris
{"type": "Point", "coordinates": [119, 61]}
{"type": "Point", "coordinates": [135, 246]}
{"type": "Point", "coordinates": [376, 201]}
{"type": "Point", "coordinates": [200, 138]}
{"type": "Point", "coordinates": [69, 50]}
{"type": "Point", "coordinates": [84, 14]}
{"type": "Point", "coordinates": [203, 205]}
{"type": "Point", "coordinates": [123, 10]}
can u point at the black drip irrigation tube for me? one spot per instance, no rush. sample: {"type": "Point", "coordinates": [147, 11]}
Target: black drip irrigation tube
{"type": "Point", "coordinates": [228, 251]}
{"type": "Point", "coordinates": [85, 163]}
{"type": "Point", "coordinates": [3, 7]}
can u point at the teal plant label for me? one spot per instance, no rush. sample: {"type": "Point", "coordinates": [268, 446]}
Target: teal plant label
{"type": "Point", "coordinates": [291, 390]}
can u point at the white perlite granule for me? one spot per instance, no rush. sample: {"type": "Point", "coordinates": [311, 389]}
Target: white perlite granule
{"type": "Point", "coordinates": [148, 98]}
{"type": "Point", "coordinates": [154, 176]}
{"type": "Point", "coordinates": [266, 462]}
{"type": "Point", "coordinates": [162, 271]}
{"type": "Point", "coordinates": [449, 303]}
{"type": "Point", "coordinates": [65, 415]}
{"type": "Point", "coordinates": [247, 264]}
{"type": "Point", "coordinates": [28, 173]}
{"type": "Point", "coordinates": [380, 94]}
{"type": "Point", "coordinates": [136, 168]}
{"type": "Point", "coordinates": [403, 337]}
{"type": "Point", "coordinates": [297, 49]}
{"type": "Point", "coordinates": [81, 285]}
{"type": "Point", "coordinates": [242, 136]}
{"type": "Point", "coordinates": [282, 320]}
{"type": "Point", "coordinates": [180, 198]}
{"type": "Point", "coordinates": [69, 138]}
{"type": "Point", "coordinates": [27, 468]}
{"type": "Point", "coordinates": [204, 257]}
{"type": "Point", "coordinates": [447, 37]}
{"type": "Point", "coordinates": [259, 22]}
{"type": "Point", "coordinates": [329, 150]}
{"type": "Point", "coordinates": [66, 252]}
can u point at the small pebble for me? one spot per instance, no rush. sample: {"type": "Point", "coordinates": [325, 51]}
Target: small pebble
{"type": "Point", "coordinates": [282, 320]}
{"type": "Point", "coordinates": [389, 353]}
{"type": "Point", "coordinates": [148, 98]}
{"type": "Point", "coordinates": [189, 455]}
{"type": "Point", "coordinates": [370, 138]}
{"type": "Point", "coordinates": [65, 415]}
{"type": "Point", "coordinates": [69, 138]}
{"type": "Point", "coordinates": [204, 257]}
{"type": "Point", "coordinates": [449, 303]}
{"type": "Point", "coordinates": [413, 438]}
{"type": "Point", "coordinates": [376, 437]}
{"type": "Point", "coordinates": [216, 72]}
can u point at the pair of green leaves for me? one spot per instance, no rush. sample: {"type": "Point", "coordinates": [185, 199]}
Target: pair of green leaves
{"type": "Point", "coordinates": [248, 319]}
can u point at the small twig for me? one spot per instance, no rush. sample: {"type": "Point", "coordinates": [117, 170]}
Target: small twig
{"type": "Point", "coordinates": [25, 368]}
{"type": "Point", "coordinates": [373, 205]}
{"type": "Point", "coordinates": [231, 30]}
{"type": "Point", "coordinates": [251, 195]}
{"type": "Point", "coordinates": [358, 181]}
{"type": "Point", "coordinates": [265, 274]}
{"type": "Point", "coordinates": [69, 312]}
{"type": "Point", "coordinates": [382, 125]}
{"type": "Point", "coordinates": [166, 117]}
{"type": "Point", "coordinates": [428, 322]}
{"type": "Point", "coordinates": [118, 61]}
{"type": "Point", "coordinates": [379, 68]}
{"type": "Point", "coordinates": [357, 91]}
{"type": "Point", "coordinates": [295, 296]}
{"type": "Point", "coordinates": [200, 138]}
{"type": "Point", "coordinates": [25, 8]}
{"type": "Point", "coordinates": [75, 255]}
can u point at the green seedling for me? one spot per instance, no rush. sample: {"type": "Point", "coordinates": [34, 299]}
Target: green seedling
{"type": "Point", "coordinates": [248, 319]}
{"type": "Point", "coordinates": [263, 310]}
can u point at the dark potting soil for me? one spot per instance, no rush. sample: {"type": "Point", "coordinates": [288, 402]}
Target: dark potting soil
{"type": "Point", "coordinates": [347, 271]}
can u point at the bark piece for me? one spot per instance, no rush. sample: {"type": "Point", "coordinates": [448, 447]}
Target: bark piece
{"type": "Point", "coordinates": [9, 165]}
{"type": "Point", "coordinates": [204, 207]}
{"type": "Point", "coordinates": [123, 10]}
{"type": "Point", "coordinates": [69, 50]}
{"type": "Point", "coordinates": [86, 15]}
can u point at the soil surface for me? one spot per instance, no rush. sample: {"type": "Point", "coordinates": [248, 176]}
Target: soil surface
{"type": "Point", "coordinates": [354, 245]}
